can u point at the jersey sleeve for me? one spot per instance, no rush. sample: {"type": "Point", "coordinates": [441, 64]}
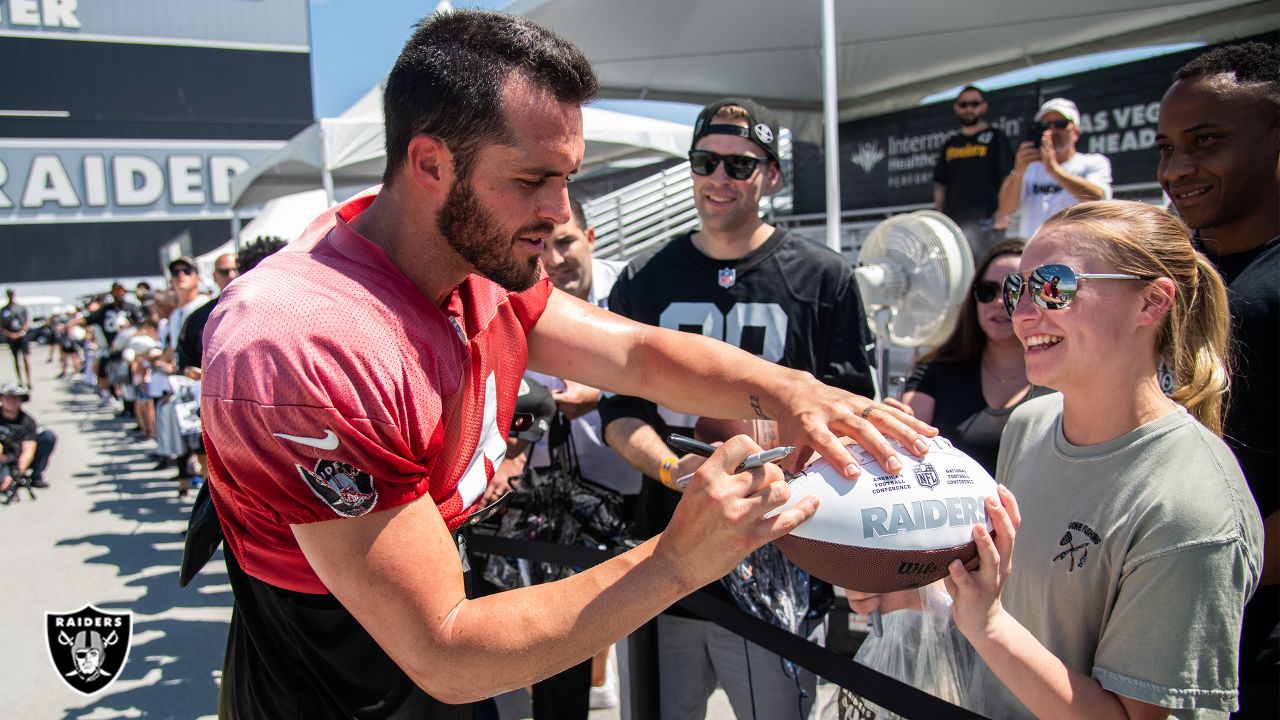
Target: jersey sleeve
{"type": "Point", "coordinates": [846, 362]}
{"type": "Point", "coordinates": [1191, 597]}
{"type": "Point", "coordinates": [309, 441]}
{"type": "Point", "coordinates": [530, 304]}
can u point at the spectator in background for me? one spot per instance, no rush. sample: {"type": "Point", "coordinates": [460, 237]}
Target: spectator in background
{"type": "Point", "coordinates": [174, 437]}
{"type": "Point", "coordinates": [1048, 174]}
{"type": "Point", "coordinates": [968, 385]}
{"type": "Point", "coordinates": [15, 322]}
{"type": "Point", "coordinates": [1219, 143]}
{"type": "Point", "coordinates": [971, 167]}
{"type": "Point", "coordinates": [225, 269]}
{"type": "Point", "coordinates": [24, 448]}
{"type": "Point", "coordinates": [772, 293]}
{"type": "Point", "coordinates": [143, 350]}
{"type": "Point", "coordinates": [108, 319]}
{"type": "Point", "coordinates": [143, 293]}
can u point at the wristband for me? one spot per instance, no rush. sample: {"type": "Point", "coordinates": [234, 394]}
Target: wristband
{"type": "Point", "coordinates": [664, 473]}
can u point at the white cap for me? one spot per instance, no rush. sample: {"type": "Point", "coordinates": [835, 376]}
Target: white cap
{"type": "Point", "coordinates": [1063, 107]}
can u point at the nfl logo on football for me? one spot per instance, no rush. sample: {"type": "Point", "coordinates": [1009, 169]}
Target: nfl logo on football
{"type": "Point", "coordinates": [926, 476]}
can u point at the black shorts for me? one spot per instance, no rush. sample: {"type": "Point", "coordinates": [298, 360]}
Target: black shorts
{"type": "Point", "coordinates": [19, 347]}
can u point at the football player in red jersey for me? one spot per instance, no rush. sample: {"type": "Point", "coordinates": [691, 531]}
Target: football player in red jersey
{"type": "Point", "coordinates": [388, 342]}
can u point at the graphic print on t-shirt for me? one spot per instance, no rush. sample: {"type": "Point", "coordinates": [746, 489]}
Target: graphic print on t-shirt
{"type": "Point", "coordinates": [1076, 540]}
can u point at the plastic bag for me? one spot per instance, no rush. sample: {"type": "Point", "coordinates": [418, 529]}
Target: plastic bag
{"type": "Point", "coordinates": [922, 648]}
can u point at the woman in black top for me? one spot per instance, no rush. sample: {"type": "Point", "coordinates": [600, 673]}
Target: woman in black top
{"type": "Point", "coordinates": [968, 386]}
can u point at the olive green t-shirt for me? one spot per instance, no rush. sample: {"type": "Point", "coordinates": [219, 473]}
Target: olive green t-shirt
{"type": "Point", "coordinates": [1134, 558]}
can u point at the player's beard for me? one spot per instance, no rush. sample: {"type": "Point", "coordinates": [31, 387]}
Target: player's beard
{"type": "Point", "coordinates": [473, 232]}
{"type": "Point", "coordinates": [971, 121]}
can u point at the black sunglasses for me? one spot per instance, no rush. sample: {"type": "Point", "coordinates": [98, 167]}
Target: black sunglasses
{"type": "Point", "coordinates": [1060, 124]}
{"type": "Point", "coordinates": [984, 291]}
{"type": "Point", "coordinates": [968, 103]}
{"type": "Point", "coordinates": [183, 270]}
{"type": "Point", "coordinates": [1053, 287]}
{"type": "Point", "coordinates": [738, 167]}
{"type": "Point", "coordinates": [224, 271]}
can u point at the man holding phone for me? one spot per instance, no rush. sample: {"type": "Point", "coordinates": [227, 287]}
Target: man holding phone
{"type": "Point", "coordinates": [1048, 174]}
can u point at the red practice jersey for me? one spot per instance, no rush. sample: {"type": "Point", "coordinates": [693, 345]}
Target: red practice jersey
{"type": "Point", "coordinates": [334, 388]}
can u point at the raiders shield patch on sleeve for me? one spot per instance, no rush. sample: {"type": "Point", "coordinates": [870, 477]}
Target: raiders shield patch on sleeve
{"type": "Point", "coordinates": [345, 488]}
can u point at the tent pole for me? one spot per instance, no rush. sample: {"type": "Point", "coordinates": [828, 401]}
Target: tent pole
{"type": "Point", "coordinates": [327, 179]}
{"type": "Point", "coordinates": [831, 128]}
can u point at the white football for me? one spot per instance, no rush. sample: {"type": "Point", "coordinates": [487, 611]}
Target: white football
{"type": "Point", "coordinates": [886, 531]}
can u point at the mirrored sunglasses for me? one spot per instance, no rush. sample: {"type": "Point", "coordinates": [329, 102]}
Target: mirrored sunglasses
{"type": "Point", "coordinates": [738, 167]}
{"type": "Point", "coordinates": [1052, 287]}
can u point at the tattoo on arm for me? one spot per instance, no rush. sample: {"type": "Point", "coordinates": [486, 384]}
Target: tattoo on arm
{"type": "Point", "coordinates": [755, 405]}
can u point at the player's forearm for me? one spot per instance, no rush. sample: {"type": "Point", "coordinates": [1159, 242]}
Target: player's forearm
{"type": "Point", "coordinates": [699, 376]}
{"type": "Point", "coordinates": [510, 640]}
{"type": "Point", "coordinates": [1039, 679]}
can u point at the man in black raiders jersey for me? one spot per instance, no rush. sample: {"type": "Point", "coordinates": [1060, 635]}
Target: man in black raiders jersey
{"type": "Point", "coordinates": [774, 294]}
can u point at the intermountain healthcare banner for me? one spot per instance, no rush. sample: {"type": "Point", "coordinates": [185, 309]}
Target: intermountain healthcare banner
{"type": "Point", "coordinates": [888, 160]}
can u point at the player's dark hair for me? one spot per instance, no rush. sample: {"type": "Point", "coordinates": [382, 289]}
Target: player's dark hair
{"type": "Point", "coordinates": [971, 88]}
{"type": "Point", "coordinates": [968, 341]}
{"type": "Point", "coordinates": [1256, 64]}
{"type": "Point", "coordinates": [448, 81]}
{"type": "Point", "coordinates": [256, 251]}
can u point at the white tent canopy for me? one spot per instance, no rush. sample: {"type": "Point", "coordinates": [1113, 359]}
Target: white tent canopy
{"type": "Point", "coordinates": [283, 217]}
{"type": "Point", "coordinates": [883, 56]}
{"type": "Point", "coordinates": [349, 151]}
{"type": "Point", "coordinates": [889, 54]}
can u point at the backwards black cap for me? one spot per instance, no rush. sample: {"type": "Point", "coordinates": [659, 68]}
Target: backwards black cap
{"type": "Point", "coordinates": [762, 124]}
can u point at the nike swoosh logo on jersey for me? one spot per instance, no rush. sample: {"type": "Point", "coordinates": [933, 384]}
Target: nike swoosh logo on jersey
{"type": "Point", "coordinates": [328, 442]}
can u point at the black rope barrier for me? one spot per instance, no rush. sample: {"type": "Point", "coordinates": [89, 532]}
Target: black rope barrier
{"type": "Point", "coordinates": [872, 685]}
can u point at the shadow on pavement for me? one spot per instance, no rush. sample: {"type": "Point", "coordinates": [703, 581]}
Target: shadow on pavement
{"type": "Point", "coordinates": [178, 633]}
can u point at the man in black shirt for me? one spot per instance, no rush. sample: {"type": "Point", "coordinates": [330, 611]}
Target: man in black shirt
{"type": "Point", "coordinates": [1219, 143]}
{"type": "Point", "coordinates": [773, 294]}
{"type": "Point", "coordinates": [971, 166]}
{"type": "Point", "coordinates": [14, 323]}
{"type": "Point", "coordinates": [110, 318]}
{"type": "Point", "coordinates": [24, 448]}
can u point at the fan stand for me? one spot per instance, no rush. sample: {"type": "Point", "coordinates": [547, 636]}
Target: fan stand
{"type": "Point", "coordinates": [882, 316]}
